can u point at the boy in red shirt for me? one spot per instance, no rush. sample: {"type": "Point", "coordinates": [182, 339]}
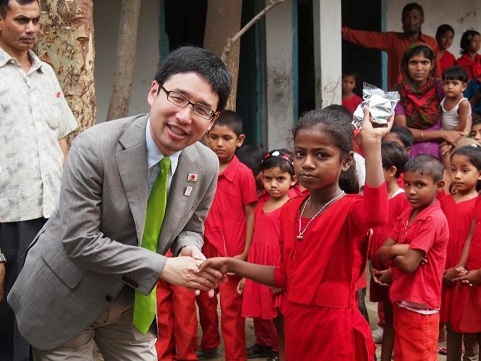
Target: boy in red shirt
{"type": "Point", "coordinates": [417, 250]}
{"type": "Point", "coordinates": [228, 232]}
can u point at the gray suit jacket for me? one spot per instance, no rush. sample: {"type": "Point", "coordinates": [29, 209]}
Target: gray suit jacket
{"type": "Point", "coordinates": [90, 247]}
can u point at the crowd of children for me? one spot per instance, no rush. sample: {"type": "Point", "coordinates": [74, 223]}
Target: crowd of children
{"type": "Point", "coordinates": [293, 231]}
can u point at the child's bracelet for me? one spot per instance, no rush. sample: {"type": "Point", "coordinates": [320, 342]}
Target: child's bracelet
{"type": "Point", "coordinates": [422, 134]}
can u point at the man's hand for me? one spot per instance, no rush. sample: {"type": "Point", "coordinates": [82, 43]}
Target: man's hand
{"type": "Point", "coordinates": [194, 252]}
{"type": "Point", "coordinates": [184, 271]}
{"type": "Point", "coordinates": [2, 281]}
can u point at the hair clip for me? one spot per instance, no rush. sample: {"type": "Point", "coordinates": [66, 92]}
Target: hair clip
{"type": "Point", "coordinates": [279, 153]}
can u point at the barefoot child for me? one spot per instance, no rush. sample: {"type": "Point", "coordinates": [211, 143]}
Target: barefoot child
{"type": "Point", "coordinates": [323, 240]}
{"type": "Point", "coordinates": [277, 172]}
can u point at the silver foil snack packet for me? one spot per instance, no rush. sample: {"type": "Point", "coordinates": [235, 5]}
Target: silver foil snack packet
{"type": "Point", "coordinates": [381, 105]}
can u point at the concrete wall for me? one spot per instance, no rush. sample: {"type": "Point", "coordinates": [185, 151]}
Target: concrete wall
{"type": "Point", "coordinates": [462, 15]}
{"type": "Point", "coordinates": [106, 16]}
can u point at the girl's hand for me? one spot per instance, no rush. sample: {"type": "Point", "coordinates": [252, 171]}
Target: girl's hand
{"type": "Point", "coordinates": [471, 278]}
{"type": "Point", "coordinates": [373, 131]}
{"type": "Point", "coordinates": [240, 286]}
{"type": "Point", "coordinates": [383, 277]}
{"type": "Point", "coordinates": [242, 257]}
{"type": "Point", "coordinates": [276, 290]}
{"type": "Point", "coordinates": [449, 275]}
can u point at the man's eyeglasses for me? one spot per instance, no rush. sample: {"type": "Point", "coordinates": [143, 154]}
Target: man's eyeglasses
{"type": "Point", "coordinates": [181, 100]}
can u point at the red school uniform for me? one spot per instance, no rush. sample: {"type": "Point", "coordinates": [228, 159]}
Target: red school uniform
{"type": "Point", "coordinates": [471, 318]}
{"type": "Point", "coordinates": [225, 226]}
{"type": "Point", "coordinates": [322, 321]}
{"type": "Point", "coordinates": [352, 102]}
{"type": "Point", "coordinates": [397, 204]}
{"type": "Point", "coordinates": [459, 216]}
{"type": "Point", "coordinates": [225, 236]}
{"type": "Point", "coordinates": [258, 299]}
{"type": "Point", "coordinates": [473, 68]}
{"type": "Point", "coordinates": [428, 232]}
{"type": "Point", "coordinates": [447, 60]}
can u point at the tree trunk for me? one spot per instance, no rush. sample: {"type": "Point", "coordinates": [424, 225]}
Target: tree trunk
{"type": "Point", "coordinates": [66, 41]}
{"type": "Point", "coordinates": [223, 21]}
{"type": "Point", "coordinates": [126, 52]}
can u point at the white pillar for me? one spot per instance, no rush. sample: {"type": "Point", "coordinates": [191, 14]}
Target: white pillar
{"type": "Point", "coordinates": [327, 51]}
{"type": "Point", "coordinates": [279, 74]}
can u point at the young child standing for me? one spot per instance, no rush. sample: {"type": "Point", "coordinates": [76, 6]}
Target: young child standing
{"type": "Point", "coordinates": [323, 240]}
{"type": "Point", "coordinates": [470, 59]}
{"type": "Point", "coordinates": [470, 277]}
{"type": "Point", "coordinates": [463, 172]}
{"type": "Point", "coordinates": [456, 108]}
{"type": "Point", "coordinates": [444, 37]}
{"type": "Point", "coordinates": [394, 157]}
{"type": "Point", "coordinates": [349, 99]}
{"type": "Point", "coordinates": [228, 232]}
{"type": "Point", "coordinates": [278, 177]}
{"type": "Point", "coordinates": [420, 233]}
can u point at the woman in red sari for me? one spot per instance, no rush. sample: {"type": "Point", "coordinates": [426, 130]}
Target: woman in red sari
{"type": "Point", "coordinates": [418, 108]}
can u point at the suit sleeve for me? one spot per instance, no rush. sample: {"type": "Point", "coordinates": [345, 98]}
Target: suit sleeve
{"type": "Point", "coordinates": [80, 211]}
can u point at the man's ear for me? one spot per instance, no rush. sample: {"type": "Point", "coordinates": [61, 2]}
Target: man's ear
{"type": "Point", "coordinates": [153, 92]}
{"type": "Point", "coordinates": [212, 121]}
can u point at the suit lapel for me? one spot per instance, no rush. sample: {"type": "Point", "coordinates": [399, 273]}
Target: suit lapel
{"type": "Point", "coordinates": [133, 170]}
{"type": "Point", "coordinates": [179, 204]}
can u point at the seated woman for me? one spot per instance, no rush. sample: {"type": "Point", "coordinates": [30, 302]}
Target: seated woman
{"type": "Point", "coordinates": [419, 108]}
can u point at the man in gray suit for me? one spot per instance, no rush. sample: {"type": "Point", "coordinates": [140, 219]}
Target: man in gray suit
{"type": "Point", "coordinates": [80, 273]}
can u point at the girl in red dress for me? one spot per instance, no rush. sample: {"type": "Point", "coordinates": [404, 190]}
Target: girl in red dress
{"type": "Point", "coordinates": [444, 37]}
{"type": "Point", "coordinates": [394, 157]}
{"type": "Point", "coordinates": [277, 174]}
{"type": "Point", "coordinates": [470, 59]}
{"type": "Point", "coordinates": [463, 172]}
{"type": "Point", "coordinates": [323, 240]}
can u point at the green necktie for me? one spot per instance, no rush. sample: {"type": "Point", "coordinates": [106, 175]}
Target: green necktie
{"type": "Point", "coordinates": [144, 306]}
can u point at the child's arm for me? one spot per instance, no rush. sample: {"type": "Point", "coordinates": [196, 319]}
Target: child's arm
{"type": "Point", "coordinates": [452, 275]}
{"type": "Point", "coordinates": [391, 249]}
{"type": "Point", "coordinates": [465, 120]}
{"type": "Point", "coordinates": [410, 261]}
{"type": "Point", "coordinates": [256, 272]}
{"type": "Point", "coordinates": [250, 218]}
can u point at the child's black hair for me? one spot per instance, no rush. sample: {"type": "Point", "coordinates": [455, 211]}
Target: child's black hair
{"type": "Point", "coordinates": [442, 29]}
{"type": "Point", "coordinates": [455, 72]}
{"type": "Point", "coordinates": [351, 72]}
{"type": "Point", "coordinates": [473, 153]}
{"type": "Point", "coordinates": [466, 39]}
{"type": "Point", "coordinates": [251, 156]}
{"type": "Point", "coordinates": [427, 165]}
{"type": "Point", "coordinates": [231, 120]}
{"type": "Point", "coordinates": [393, 155]}
{"type": "Point", "coordinates": [281, 158]}
{"type": "Point", "coordinates": [476, 122]}
{"type": "Point", "coordinates": [404, 134]}
{"type": "Point", "coordinates": [337, 125]}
